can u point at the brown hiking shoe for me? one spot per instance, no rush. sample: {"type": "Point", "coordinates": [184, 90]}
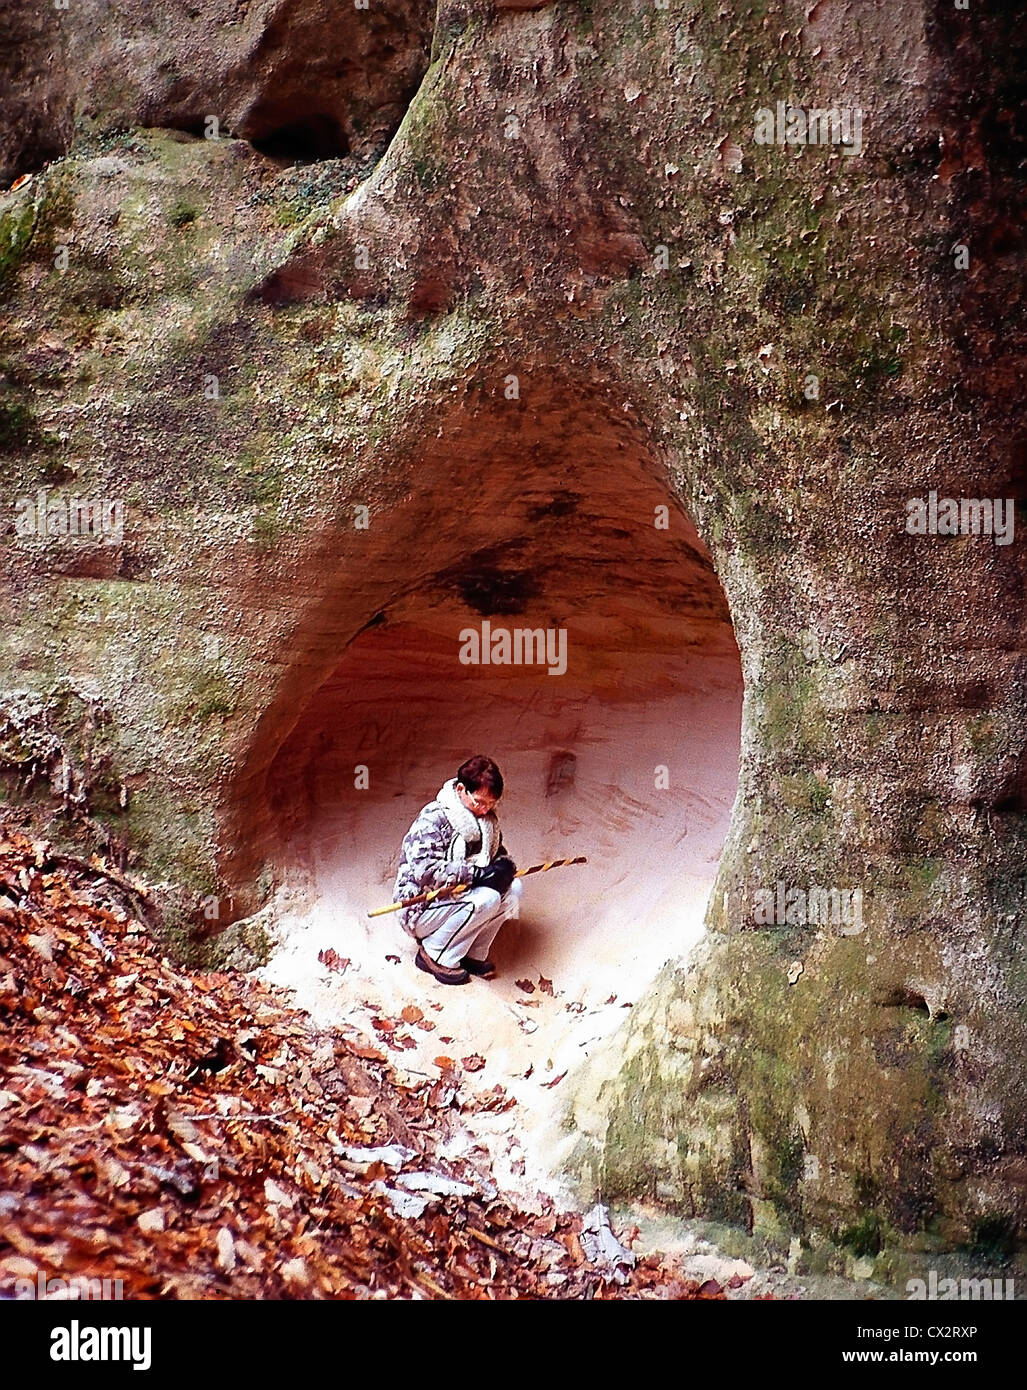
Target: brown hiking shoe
{"type": "Point", "coordinates": [441, 972]}
{"type": "Point", "coordinates": [484, 969]}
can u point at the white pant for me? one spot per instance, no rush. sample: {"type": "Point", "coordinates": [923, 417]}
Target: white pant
{"type": "Point", "coordinates": [467, 925]}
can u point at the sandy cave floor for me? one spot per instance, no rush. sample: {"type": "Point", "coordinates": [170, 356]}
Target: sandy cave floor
{"type": "Point", "coordinates": [599, 933]}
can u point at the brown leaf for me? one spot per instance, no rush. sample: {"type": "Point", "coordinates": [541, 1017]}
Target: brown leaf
{"type": "Point", "coordinates": [546, 986]}
{"type": "Point", "coordinates": [573, 1244]}
{"type": "Point", "coordinates": [525, 986]}
{"type": "Point", "coordinates": [411, 1014]}
{"type": "Point", "coordinates": [442, 1094]}
{"type": "Point", "coordinates": [331, 960]}
{"type": "Point", "coordinates": [555, 1081]}
{"type": "Point", "coordinates": [474, 1062]}
{"type": "Point", "coordinates": [445, 1063]}
{"type": "Point", "coordinates": [497, 1100]}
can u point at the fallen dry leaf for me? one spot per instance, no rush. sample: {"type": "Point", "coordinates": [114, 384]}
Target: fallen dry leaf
{"type": "Point", "coordinates": [573, 1244]}
{"type": "Point", "coordinates": [331, 960]}
{"type": "Point", "coordinates": [442, 1094]}
{"type": "Point", "coordinates": [474, 1062]}
{"type": "Point", "coordinates": [496, 1100]}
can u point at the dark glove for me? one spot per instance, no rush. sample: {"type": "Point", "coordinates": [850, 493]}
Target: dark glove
{"type": "Point", "coordinates": [498, 875]}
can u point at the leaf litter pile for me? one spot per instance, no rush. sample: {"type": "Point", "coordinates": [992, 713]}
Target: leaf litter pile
{"type": "Point", "coordinates": [193, 1136]}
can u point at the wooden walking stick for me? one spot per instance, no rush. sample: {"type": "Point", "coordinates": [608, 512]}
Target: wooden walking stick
{"type": "Point", "coordinates": [459, 888]}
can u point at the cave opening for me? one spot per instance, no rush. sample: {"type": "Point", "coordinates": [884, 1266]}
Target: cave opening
{"type": "Point", "coordinates": [304, 139]}
{"type": "Point", "coordinates": [626, 750]}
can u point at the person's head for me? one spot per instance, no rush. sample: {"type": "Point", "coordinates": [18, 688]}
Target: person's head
{"type": "Point", "coordinates": [479, 784]}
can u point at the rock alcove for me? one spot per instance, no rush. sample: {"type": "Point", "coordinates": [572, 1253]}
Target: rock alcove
{"type": "Point", "coordinates": [629, 756]}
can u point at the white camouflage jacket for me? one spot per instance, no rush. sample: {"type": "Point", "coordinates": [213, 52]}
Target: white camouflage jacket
{"type": "Point", "coordinates": [428, 859]}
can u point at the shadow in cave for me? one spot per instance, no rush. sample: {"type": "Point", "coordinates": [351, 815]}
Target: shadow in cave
{"type": "Point", "coordinates": [304, 140]}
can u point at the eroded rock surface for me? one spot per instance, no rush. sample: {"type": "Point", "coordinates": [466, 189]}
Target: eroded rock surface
{"type": "Point", "coordinates": [574, 267]}
{"type": "Point", "coordinates": [300, 80]}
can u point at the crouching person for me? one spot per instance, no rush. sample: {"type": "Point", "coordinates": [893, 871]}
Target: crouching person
{"type": "Point", "coordinates": [456, 839]}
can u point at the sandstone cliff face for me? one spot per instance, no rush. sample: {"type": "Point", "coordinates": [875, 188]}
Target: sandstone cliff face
{"type": "Point", "coordinates": [573, 289]}
{"type": "Point", "coordinates": [297, 79]}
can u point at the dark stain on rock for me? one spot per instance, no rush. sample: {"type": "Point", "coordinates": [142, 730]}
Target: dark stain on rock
{"type": "Point", "coordinates": [562, 503]}
{"type": "Point", "coordinates": [560, 775]}
{"type": "Point", "coordinates": [491, 590]}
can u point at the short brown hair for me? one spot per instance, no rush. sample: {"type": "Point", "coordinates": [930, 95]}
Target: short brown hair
{"type": "Point", "coordinates": [478, 772]}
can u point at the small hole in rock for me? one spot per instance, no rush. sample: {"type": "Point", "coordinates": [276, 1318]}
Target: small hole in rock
{"type": "Point", "coordinates": [304, 141]}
